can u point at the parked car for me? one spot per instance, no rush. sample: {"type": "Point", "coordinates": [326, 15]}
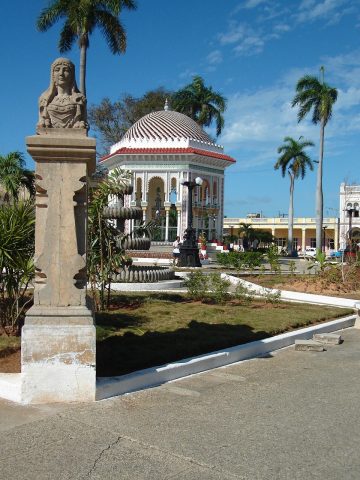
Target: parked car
{"type": "Point", "coordinates": [336, 253]}
{"type": "Point", "coordinates": [310, 252]}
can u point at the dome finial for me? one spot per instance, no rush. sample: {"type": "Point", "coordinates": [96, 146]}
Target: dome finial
{"type": "Point", "coordinates": [166, 106]}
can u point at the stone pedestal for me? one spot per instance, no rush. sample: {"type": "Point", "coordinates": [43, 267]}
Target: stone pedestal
{"type": "Point", "coordinates": [58, 338]}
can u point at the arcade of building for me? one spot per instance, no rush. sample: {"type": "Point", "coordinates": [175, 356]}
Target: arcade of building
{"type": "Point", "coordinates": [165, 148]}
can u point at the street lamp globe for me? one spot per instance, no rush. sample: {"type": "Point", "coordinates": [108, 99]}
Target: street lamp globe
{"type": "Point", "coordinates": [199, 181]}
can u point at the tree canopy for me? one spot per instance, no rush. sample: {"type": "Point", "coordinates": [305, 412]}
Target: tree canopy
{"type": "Point", "coordinates": [111, 120]}
{"type": "Point", "coordinates": [81, 17]}
{"type": "Point", "coordinates": [201, 103]}
{"type": "Point", "coordinates": [14, 176]}
{"type": "Point", "coordinates": [313, 94]}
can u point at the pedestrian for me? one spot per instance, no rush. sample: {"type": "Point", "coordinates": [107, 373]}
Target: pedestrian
{"type": "Point", "coordinates": [176, 250]}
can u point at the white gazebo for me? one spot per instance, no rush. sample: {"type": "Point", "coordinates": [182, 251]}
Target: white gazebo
{"type": "Point", "coordinates": [161, 149]}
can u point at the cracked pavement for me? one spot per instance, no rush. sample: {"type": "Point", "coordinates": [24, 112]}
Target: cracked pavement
{"type": "Point", "coordinates": [291, 415]}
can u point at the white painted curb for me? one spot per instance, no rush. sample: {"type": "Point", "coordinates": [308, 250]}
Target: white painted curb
{"type": "Point", "coordinates": [10, 386]}
{"type": "Point", "coordinates": [294, 296]}
{"type": "Point", "coordinates": [107, 387]}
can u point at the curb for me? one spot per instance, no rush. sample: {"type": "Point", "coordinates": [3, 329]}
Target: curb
{"type": "Point", "coordinates": [152, 377]}
{"type": "Point", "coordinates": [288, 295]}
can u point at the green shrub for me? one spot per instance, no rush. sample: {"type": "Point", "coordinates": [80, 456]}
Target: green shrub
{"type": "Point", "coordinates": [240, 260]}
{"type": "Point", "coordinates": [272, 297]}
{"type": "Point", "coordinates": [218, 288]}
{"type": "Point", "coordinates": [273, 258]}
{"type": "Point", "coordinates": [204, 287]}
{"type": "Point", "coordinates": [292, 267]}
{"type": "Point", "coordinates": [197, 285]}
{"type": "Point", "coordinates": [17, 234]}
{"type": "Point", "coordinates": [244, 294]}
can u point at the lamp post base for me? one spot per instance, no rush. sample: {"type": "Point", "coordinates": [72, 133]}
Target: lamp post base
{"type": "Point", "coordinates": [189, 251]}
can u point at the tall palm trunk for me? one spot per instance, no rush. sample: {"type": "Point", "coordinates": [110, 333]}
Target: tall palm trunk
{"type": "Point", "coordinates": [83, 49]}
{"type": "Point", "coordinates": [319, 190]}
{"type": "Point", "coordinates": [291, 214]}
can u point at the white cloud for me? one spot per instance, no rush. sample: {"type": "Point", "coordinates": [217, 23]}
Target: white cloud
{"type": "Point", "coordinates": [253, 3]}
{"type": "Point", "coordinates": [215, 57]}
{"type": "Point", "coordinates": [250, 45]}
{"type": "Point", "coordinates": [257, 121]}
{"type": "Point", "coordinates": [311, 10]}
{"type": "Point", "coordinates": [249, 41]}
{"type": "Point", "coordinates": [236, 32]}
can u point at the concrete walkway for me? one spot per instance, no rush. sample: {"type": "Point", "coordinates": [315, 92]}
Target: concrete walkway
{"type": "Point", "coordinates": [292, 415]}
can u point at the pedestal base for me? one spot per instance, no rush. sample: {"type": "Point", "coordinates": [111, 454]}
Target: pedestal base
{"type": "Point", "coordinates": [189, 256]}
{"type": "Point", "coordinates": [58, 360]}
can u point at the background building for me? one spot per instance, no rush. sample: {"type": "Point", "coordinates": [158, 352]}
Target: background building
{"type": "Point", "coordinates": [304, 232]}
{"type": "Point", "coordinates": [349, 214]}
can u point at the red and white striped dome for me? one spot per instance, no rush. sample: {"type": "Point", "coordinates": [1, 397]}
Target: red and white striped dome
{"type": "Point", "coordinates": [166, 125]}
{"type": "Point", "coordinates": [166, 129]}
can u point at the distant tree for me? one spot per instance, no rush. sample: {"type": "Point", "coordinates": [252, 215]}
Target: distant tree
{"type": "Point", "coordinates": [14, 176]}
{"type": "Point", "coordinates": [247, 232]}
{"type": "Point", "coordinates": [110, 121]}
{"type": "Point", "coordinates": [294, 161]}
{"type": "Point", "coordinates": [81, 17]}
{"type": "Point", "coordinates": [201, 103]}
{"type": "Point", "coordinates": [314, 94]}
{"type": "Point", "coordinates": [263, 236]}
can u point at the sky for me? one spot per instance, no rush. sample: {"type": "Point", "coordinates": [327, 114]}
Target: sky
{"type": "Point", "coordinates": [251, 51]}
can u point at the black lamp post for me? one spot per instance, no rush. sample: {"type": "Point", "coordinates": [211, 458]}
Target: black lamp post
{"type": "Point", "coordinates": [351, 210]}
{"type": "Point", "coordinates": [189, 251]}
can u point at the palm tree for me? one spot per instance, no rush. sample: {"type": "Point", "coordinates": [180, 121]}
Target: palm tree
{"type": "Point", "coordinates": [201, 104]}
{"type": "Point", "coordinates": [80, 19]}
{"type": "Point", "coordinates": [294, 161]}
{"type": "Point", "coordinates": [14, 175]}
{"type": "Point", "coordinates": [314, 94]}
{"type": "Point", "coordinates": [248, 234]}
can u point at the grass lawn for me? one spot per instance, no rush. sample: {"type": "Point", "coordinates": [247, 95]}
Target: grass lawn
{"type": "Point", "coordinates": [8, 345]}
{"type": "Point", "coordinates": [144, 330]}
{"type": "Point", "coordinates": [148, 330]}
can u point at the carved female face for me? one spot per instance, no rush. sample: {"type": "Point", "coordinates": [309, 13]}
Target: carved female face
{"type": "Point", "coordinates": [62, 75]}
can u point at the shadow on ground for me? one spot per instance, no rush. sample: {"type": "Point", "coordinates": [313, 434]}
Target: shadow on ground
{"type": "Point", "coordinates": [119, 355]}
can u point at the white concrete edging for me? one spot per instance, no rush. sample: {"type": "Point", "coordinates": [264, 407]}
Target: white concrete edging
{"type": "Point", "coordinates": [294, 296]}
{"type": "Point", "coordinates": [10, 386]}
{"type": "Point", "coordinates": [151, 377]}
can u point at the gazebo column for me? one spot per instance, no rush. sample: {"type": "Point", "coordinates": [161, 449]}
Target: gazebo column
{"type": "Point", "coordinates": [167, 206]}
{"type": "Point", "coordinates": [144, 206]}
{"type": "Point", "coordinates": [178, 215]}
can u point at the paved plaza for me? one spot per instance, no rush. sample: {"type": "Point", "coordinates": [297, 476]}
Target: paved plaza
{"type": "Point", "coordinates": [291, 415]}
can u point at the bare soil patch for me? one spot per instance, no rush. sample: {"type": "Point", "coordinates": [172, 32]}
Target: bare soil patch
{"type": "Point", "coordinates": [307, 284]}
{"type": "Point", "coordinates": [11, 363]}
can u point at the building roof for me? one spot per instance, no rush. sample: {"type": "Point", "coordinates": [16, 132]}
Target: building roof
{"type": "Point", "coordinates": [166, 129]}
{"type": "Point", "coordinates": [164, 151]}
{"type": "Point", "coordinates": [166, 125]}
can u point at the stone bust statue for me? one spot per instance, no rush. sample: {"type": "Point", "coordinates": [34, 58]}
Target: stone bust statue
{"type": "Point", "coordinates": [62, 105]}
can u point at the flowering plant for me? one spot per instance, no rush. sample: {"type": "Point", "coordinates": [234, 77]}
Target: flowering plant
{"type": "Point", "coordinates": [202, 240]}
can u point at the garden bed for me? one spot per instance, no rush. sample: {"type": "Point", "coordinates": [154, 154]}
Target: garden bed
{"type": "Point", "coordinates": [317, 284]}
{"type": "Point", "coordinates": [143, 330]}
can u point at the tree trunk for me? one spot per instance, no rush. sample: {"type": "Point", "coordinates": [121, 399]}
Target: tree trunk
{"type": "Point", "coordinates": [83, 49]}
{"type": "Point", "coordinates": [291, 215]}
{"type": "Point", "coordinates": [319, 190]}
